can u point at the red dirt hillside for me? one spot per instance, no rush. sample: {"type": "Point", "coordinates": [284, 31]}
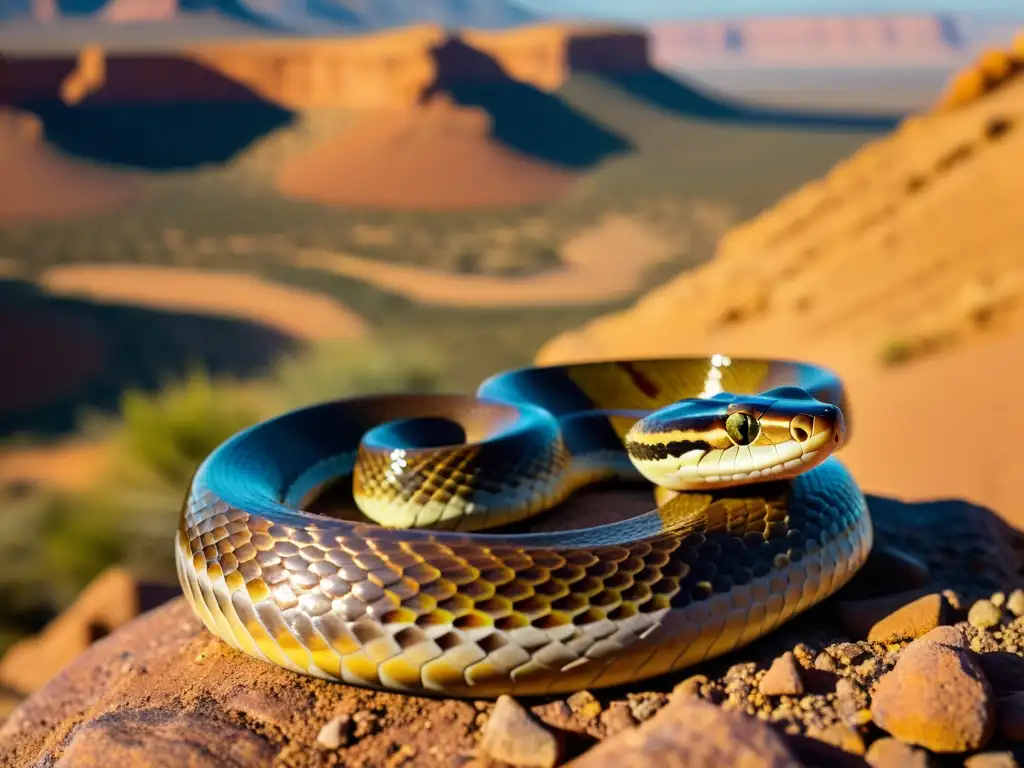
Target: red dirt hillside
{"type": "Point", "coordinates": [39, 183]}
{"type": "Point", "coordinates": [902, 269]}
{"type": "Point", "coordinates": [438, 157]}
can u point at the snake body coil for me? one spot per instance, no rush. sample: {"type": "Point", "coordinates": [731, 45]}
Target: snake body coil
{"type": "Point", "coordinates": [756, 524]}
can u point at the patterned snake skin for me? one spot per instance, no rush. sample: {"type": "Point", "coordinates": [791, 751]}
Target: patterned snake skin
{"type": "Point", "coordinates": [480, 614]}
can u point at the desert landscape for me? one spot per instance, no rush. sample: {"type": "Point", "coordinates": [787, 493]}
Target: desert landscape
{"type": "Point", "coordinates": [197, 237]}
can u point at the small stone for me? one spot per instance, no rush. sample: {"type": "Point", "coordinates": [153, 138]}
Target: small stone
{"type": "Point", "coordinates": [693, 732]}
{"type": "Point", "coordinates": [365, 723]}
{"type": "Point", "coordinates": [335, 733]}
{"type": "Point", "coordinates": [892, 753]}
{"type": "Point", "coordinates": [824, 663]}
{"type": "Point", "coordinates": [512, 736]}
{"type": "Point", "coordinates": [912, 620]}
{"type": "Point", "coordinates": [908, 705]}
{"type": "Point", "coordinates": [1015, 602]}
{"type": "Point", "coordinates": [646, 705]}
{"type": "Point", "coordinates": [782, 678]}
{"type": "Point", "coordinates": [585, 705]}
{"type": "Point", "coordinates": [848, 653]}
{"type": "Point", "coordinates": [998, 599]}
{"type": "Point", "coordinates": [690, 687]}
{"type": "Point", "coordinates": [840, 735]}
{"type": "Point", "coordinates": [992, 760]}
{"type": "Point", "coordinates": [617, 718]}
{"type": "Point", "coordinates": [984, 615]}
{"type": "Point", "coordinates": [861, 617]}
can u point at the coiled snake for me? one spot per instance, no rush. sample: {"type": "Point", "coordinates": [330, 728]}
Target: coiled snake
{"type": "Point", "coordinates": [756, 524]}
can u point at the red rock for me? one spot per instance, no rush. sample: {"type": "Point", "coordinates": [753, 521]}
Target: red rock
{"type": "Point", "coordinates": [690, 732]}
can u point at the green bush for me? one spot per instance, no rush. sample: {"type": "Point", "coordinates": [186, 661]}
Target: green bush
{"type": "Point", "coordinates": [53, 545]}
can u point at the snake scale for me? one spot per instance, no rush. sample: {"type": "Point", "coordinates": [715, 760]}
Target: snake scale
{"type": "Point", "coordinates": [755, 523]}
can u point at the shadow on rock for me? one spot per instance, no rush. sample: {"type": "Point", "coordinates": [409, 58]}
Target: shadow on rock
{"type": "Point", "coordinates": [525, 118]}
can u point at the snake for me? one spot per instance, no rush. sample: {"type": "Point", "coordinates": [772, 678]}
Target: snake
{"type": "Point", "coordinates": [441, 584]}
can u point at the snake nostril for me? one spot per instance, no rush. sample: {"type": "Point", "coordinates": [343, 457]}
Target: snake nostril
{"type": "Point", "coordinates": [800, 428]}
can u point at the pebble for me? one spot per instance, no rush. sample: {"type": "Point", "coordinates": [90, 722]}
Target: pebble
{"type": "Point", "coordinates": [643, 706]}
{"type": "Point", "coordinates": [585, 705]}
{"type": "Point", "coordinates": [782, 678]}
{"type": "Point", "coordinates": [992, 760]}
{"type": "Point", "coordinates": [945, 635]}
{"type": "Point", "coordinates": [883, 619]}
{"type": "Point", "coordinates": [892, 753]}
{"type": "Point", "coordinates": [693, 732]}
{"type": "Point", "coordinates": [690, 687]}
{"type": "Point", "coordinates": [1015, 602]}
{"type": "Point", "coordinates": [335, 733]}
{"type": "Point", "coordinates": [907, 706]}
{"type": "Point", "coordinates": [984, 614]}
{"type": "Point", "coordinates": [840, 735]}
{"type": "Point", "coordinates": [511, 735]}
{"type": "Point", "coordinates": [998, 599]}
{"type": "Point", "coordinates": [617, 718]}
{"type": "Point", "coordinates": [912, 620]}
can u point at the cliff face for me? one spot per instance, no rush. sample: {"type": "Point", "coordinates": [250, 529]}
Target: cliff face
{"type": "Point", "coordinates": [390, 69]}
{"type": "Point", "coordinates": [809, 41]}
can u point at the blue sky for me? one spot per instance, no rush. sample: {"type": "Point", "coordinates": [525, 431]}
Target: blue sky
{"type": "Point", "coordinates": [652, 9]}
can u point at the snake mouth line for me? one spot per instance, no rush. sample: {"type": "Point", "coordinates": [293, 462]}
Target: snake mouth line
{"type": "Point", "coordinates": [692, 473]}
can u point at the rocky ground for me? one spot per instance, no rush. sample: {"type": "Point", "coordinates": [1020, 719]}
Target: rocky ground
{"type": "Point", "coordinates": [919, 661]}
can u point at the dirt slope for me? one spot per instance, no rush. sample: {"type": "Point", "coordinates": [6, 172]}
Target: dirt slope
{"type": "Point", "coordinates": [903, 269]}
{"type": "Point", "coordinates": [439, 157]}
{"type": "Point", "coordinates": [40, 184]}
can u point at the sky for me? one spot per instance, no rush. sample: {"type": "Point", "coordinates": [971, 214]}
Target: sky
{"type": "Point", "coordinates": [652, 9]}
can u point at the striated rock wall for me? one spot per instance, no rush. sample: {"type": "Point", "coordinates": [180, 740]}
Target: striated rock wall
{"type": "Point", "coordinates": [387, 70]}
{"type": "Point", "coordinates": [805, 41]}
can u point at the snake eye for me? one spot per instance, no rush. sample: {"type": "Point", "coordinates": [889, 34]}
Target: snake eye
{"type": "Point", "coordinates": [742, 428]}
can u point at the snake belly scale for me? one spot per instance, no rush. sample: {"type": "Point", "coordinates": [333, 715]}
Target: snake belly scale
{"type": "Point", "coordinates": [756, 523]}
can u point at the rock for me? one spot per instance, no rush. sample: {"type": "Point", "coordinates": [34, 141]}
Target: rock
{"type": "Point", "coordinates": [691, 732]}
{"type": "Point", "coordinates": [782, 678]}
{"type": "Point", "coordinates": [984, 614]}
{"type": "Point", "coordinates": [908, 704]}
{"type": "Point", "coordinates": [840, 735]}
{"type": "Point", "coordinates": [992, 760]}
{"type": "Point", "coordinates": [998, 599]}
{"type": "Point", "coordinates": [335, 733]}
{"type": "Point", "coordinates": [1015, 602]}
{"type": "Point", "coordinates": [946, 635]}
{"type": "Point", "coordinates": [617, 718]}
{"type": "Point", "coordinates": [690, 687]}
{"type": "Point", "coordinates": [585, 705]}
{"type": "Point", "coordinates": [912, 620]}
{"type": "Point", "coordinates": [643, 706]}
{"type": "Point", "coordinates": [877, 619]}
{"type": "Point", "coordinates": [892, 753]}
{"type": "Point", "coordinates": [141, 692]}
{"type": "Point", "coordinates": [512, 736]}
{"type": "Point", "coordinates": [112, 599]}
{"type": "Point", "coordinates": [1011, 716]}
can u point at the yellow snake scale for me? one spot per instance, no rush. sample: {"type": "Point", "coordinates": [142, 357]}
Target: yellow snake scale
{"type": "Point", "coordinates": [428, 604]}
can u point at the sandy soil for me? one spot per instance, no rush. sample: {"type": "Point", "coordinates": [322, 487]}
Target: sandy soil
{"type": "Point", "coordinates": [439, 157]}
{"type": "Point", "coordinates": [908, 252]}
{"type": "Point", "coordinates": [41, 184]}
{"type": "Point", "coordinates": [70, 466]}
{"type": "Point", "coordinates": [605, 263]}
{"type": "Point", "coordinates": [305, 315]}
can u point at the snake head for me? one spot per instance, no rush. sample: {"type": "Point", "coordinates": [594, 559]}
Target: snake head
{"type": "Point", "coordinates": [728, 440]}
